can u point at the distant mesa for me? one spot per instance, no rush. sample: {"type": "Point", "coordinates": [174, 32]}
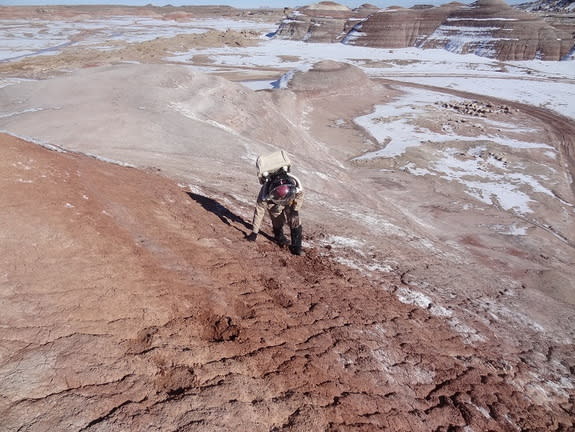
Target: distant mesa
{"type": "Point", "coordinates": [327, 5]}
{"type": "Point", "coordinates": [320, 22]}
{"type": "Point", "coordinates": [365, 10]}
{"type": "Point", "coordinates": [367, 6]}
{"type": "Point", "coordinates": [178, 16]}
{"type": "Point", "coordinates": [398, 28]}
{"type": "Point", "coordinates": [489, 28]}
{"type": "Point", "coordinates": [327, 9]}
{"type": "Point", "coordinates": [422, 6]}
{"type": "Point", "coordinates": [492, 3]}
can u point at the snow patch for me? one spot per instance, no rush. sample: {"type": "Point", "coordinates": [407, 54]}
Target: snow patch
{"type": "Point", "coordinates": [412, 169]}
{"type": "Point", "coordinates": [393, 126]}
{"type": "Point", "coordinates": [551, 154]}
{"type": "Point", "coordinates": [363, 267]}
{"type": "Point", "coordinates": [112, 161]}
{"type": "Point", "coordinates": [491, 188]}
{"type": "Point", "coordinates": [258, 84]}
{"type": "Point", "coordinates": [481, 19]}
{"type": "Point", "coordinates": [344, 242]}
{"type": "Point", "coordinates": [413, 297]}
{"type": "Point", "coordinates": [46, 145]}
{"type": "Point", "coordinates": [17, 113]}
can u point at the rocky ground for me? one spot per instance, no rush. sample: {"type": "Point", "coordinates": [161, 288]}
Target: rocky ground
{"type": "Point", "coordinates": [132, 302]}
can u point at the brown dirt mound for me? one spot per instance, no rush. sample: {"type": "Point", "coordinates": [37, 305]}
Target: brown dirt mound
{"type": "Point", "coordinates": [328, 75]}
{"type": "Point", "coordinates": [130, 304]}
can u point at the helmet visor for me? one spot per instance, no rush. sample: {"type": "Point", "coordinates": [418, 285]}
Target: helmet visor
{"type": "Point", "coordinates": [282, 194]}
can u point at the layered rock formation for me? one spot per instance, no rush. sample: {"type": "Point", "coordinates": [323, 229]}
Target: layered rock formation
{"type": "Point", "coordinates": [321, 22]}
{"type": "Point", "coordinates": [491, 28]}
{"type": "Point", "coordinates": [566, 6]}
{"type": "Point", "coordinates": [487, 28]}
{"type": "Point", "coordinates": [398, 27]}
{"type": "Point", "coordinates": [557, 13]}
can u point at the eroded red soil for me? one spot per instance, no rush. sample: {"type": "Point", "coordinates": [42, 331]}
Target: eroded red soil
{"type": "Point", "coordinates": [129, 304]}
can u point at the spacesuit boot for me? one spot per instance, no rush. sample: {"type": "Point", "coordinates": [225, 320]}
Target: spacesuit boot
{"type": "Point", "coordinates": [296, 237]}
{"type": "Point", "coordinates": [280, 238]}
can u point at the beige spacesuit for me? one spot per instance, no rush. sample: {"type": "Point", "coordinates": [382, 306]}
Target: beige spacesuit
{"type": "Point", "coordinates": [282, 199]}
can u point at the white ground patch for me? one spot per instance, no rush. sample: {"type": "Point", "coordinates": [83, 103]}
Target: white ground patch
{"type": "Point", "coordinates": [498, 311]}
{"type": "Point", "coordinates": [503, 189]}
{"type": "Point", "coordinates": [36, 141]}
{"type": "Point", "coordinates": [513, 229]}
{"type": "Point", "coordinates": [460, 39]}
{"type": "Point", "coordinates": [345, 242]}
{"type": "Point", "coordinates": [22, 38]}
{"type": "Point", "coordinates": [392, 125]}
{"type": "Point", "coordinates": [258, 84]}
{"type": "Point", "coordinates": [112, 161]}
{"type": "Point", "coordinates": [557, 96]}
{"type": "Point", "coordinates": [413, 297]}
{"type": "Point", "coordinates": [364, 268]}
{"type": "Point", "coordinates": [309, 53]}
{"type": "Point", "coordinates": [416, 298]}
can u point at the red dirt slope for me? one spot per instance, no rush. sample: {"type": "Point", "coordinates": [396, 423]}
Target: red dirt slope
{"type": "Point", "coordinates": [128, 304]}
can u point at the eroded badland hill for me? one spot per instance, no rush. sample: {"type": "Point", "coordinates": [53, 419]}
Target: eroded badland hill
{"type": "Point", "coordinates": [488, 28]}
{"type": "Point", "coordinates": [437, 289]}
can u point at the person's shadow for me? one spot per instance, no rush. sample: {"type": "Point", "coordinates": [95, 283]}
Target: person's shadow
{"type": "Point", "coordinates": [225, 215]}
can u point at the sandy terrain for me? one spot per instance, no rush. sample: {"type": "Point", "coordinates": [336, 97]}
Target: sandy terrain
{"type": "Point", "coordinates": [438, 288]}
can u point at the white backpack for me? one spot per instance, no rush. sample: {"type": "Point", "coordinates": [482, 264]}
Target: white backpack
{"type": "Point", "coordinates": [272, 163]}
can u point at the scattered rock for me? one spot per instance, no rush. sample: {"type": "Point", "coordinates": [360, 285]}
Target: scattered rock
{"type": "Point", "coordinates": [475, 108]}
{"type": "Point", "coordinates": [223, 329]}
{"type": "Point", "coordinates": [176, 380]}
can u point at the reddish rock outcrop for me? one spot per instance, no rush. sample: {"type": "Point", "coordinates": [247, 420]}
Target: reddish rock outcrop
{"type": "Point", "coordinates": [489, 28]}
{"type": "Point", "coordinates": [320, 22]}
{"type": "Point", "coordinates": [565, 6]}
{"type": "Point", "coordinates": [399, 27]}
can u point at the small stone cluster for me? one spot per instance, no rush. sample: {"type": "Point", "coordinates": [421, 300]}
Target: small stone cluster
{"type": "Point", "coordinates": [498, 156]}
{"type": "Point", "coordinates": [475, 108]}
